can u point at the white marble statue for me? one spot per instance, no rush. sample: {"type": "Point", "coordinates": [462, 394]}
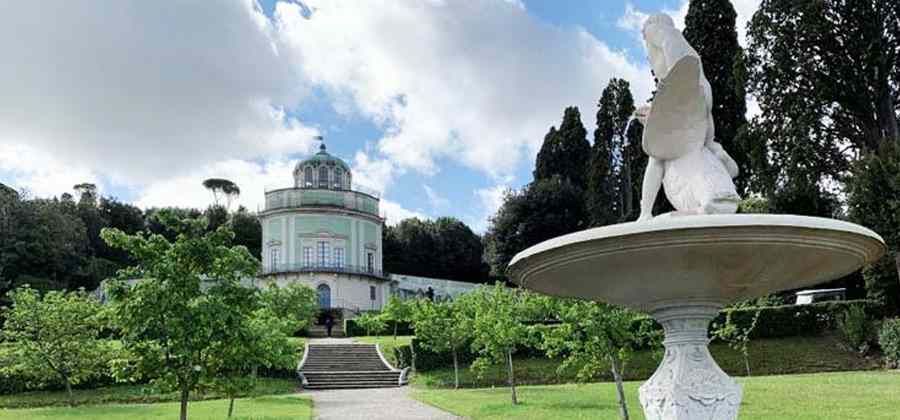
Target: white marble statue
{"type": "Point", "coordinates": [679, 134]}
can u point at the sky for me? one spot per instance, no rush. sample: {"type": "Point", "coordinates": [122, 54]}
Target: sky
{"type": "Point", "coordinates": [438, 105]}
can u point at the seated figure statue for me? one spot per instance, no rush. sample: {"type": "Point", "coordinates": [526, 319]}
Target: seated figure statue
{"type": "Point", "coordinates": [679, 134]}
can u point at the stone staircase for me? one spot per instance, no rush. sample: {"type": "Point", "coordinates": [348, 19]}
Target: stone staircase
{"type": "Point", "coordinates": [334, 366]}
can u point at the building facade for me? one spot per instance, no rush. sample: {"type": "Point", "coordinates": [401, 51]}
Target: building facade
{"type": "Point", "coordinates": [324, 233]}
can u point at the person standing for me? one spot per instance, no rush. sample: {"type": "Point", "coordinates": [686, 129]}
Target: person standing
{"type": "Point", "coordinates": [329, 324]}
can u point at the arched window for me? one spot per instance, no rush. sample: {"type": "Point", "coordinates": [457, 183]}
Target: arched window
{"type": "Point", "coordinates": [323, 177]}
{"type": "Point", "coordinates": [324, 293]}
{"type": "Point", "coordinates": [307, 177]}
{"type": "Point", "coordinates": [338, 179]}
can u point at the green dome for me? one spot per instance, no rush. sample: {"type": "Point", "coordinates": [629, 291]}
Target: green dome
{"type": "Point", "coordinates": [323, 158]}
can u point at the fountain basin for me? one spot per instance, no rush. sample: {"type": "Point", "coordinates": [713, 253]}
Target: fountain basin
{"type": "Point", "coordinates": [709, 258]}
{"type": "Point", "coordinates": [682, 270]}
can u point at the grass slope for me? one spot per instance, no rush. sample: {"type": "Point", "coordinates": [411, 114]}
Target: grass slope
{"type": "Point", "coordinates": [267, 407]}
{"type": "Point", "coordinates": [767, 357]}
{"type": "Point", "coordinates": [828, 396]}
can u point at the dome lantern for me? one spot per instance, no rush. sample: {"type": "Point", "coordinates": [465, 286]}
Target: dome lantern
{"type": "Point", "coordinates": [322, 171]}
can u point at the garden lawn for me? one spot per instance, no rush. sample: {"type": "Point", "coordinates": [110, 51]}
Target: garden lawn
{"type": "Point", "coordinates": [266, 407]}
{"type": "Point", "coordinates": [387, 344]}
{"type": "Point", "coordinates": [130, 394]}
{"type": "Point", "coordinates": [827, 396]}
{"type": "Point", "coordinates": [767, 357]}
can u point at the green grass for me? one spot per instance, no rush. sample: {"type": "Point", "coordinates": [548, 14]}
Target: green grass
{"type": "Point", "coordinates": [828, 396]}
{"type": "Point", "coordinates": [387, 344]}
{"type": "Point", "coordinates": [130, 394]}
{"type": "Point", "coordinates": [261, 408]}
{"type": "Point", "coordinates": [767, 357]}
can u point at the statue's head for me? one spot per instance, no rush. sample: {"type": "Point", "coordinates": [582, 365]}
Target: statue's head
{"type": "Point", "coordinates": [656, 24]}
{"type": "Point", "coordinates": [656, 29]}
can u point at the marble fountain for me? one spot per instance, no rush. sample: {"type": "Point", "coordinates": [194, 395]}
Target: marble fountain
{"type": "Point", "coordinates": [683, 267]}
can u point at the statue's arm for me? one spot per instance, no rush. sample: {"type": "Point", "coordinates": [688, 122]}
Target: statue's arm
{"type": "Point", "coordinates": [653, 177]}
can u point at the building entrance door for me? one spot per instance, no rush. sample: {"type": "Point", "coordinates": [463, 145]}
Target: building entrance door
{"type": "Point", "coordinates": [324, 296]}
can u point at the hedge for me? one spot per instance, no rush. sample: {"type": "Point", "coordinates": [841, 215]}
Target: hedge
{"type": "Point", "coordinates": [774, 322]}
{"type": "Point", "coordinates": [797, 320]}
{"type": "Point", "coordinates": [352, 329]}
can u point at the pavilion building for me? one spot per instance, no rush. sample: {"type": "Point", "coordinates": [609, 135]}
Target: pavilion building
{"type": "Point", "coordinates": [326, 234]}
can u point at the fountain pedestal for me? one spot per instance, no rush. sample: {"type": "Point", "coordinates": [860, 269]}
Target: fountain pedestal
{"type": "Point", "coordinates": [682, 271]}
{"type": "Point", "coordinates": [688, 383]}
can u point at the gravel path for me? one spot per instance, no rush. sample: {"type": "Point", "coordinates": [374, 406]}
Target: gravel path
{"type": "Point", "coordinates": [372, 404]}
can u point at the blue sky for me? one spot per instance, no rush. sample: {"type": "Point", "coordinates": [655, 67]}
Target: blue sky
{"type": "Point", "coordinates": [439, 105]}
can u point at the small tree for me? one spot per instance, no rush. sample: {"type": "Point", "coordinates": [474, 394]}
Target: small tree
{"type": "Point", "coordinates": [54, 337]}
{"type": "Point", "coordinates": [296, 304]}
{"type": "Point", "coordinates": [371, 321]}
{"type": "Point", "coordinates": [397, 310]}
{"type": "Point", "coordinates": [262, 341]}
{"type": "Point", "coordinates": [441, 327]}
{"type": "Point", "coordinates": [188, 304]}
{"type": "Point", "coordinates": [737, 336]}
{"type": "Point", "coordinates": [591, 337]}
{"type": "Point", "coordinates": [497, 316]}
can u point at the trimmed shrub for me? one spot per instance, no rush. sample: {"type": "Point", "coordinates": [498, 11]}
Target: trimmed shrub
{"type": "Point", "coordinates": [889, 340]}
{"type": "Point", "coordinates": [353, 329]}
{"type": "Point", "coordinates": [856, 330]}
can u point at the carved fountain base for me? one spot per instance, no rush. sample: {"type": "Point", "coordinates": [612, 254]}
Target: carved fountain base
{"type": "Point", "coordinates": [689, 385]}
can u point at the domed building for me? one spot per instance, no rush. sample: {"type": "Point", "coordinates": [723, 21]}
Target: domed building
{"type": "Point", "coordinates": [325, 234]}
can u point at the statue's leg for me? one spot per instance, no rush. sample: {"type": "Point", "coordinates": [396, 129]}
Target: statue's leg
{"type": "Point", "coordinates": [719, 206]}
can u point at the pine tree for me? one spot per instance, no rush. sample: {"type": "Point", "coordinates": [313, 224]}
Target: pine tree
{"type": "Point", "coordinates": [565, 152]}
{"type": "Point", "coordinates": [710, 29]}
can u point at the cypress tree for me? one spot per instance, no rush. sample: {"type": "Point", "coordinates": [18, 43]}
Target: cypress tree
{"type": "Point", "coordinates": [610, 191]}
{"type": "Point", "coordinates": [565, 152]}
{"type": "Point", "coordinates": [709, 27]}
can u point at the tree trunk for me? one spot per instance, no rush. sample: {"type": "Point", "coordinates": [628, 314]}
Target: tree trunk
{"type": "Point", "coordinates": [617, 376]}
{"type": "Point", "coordinates": [512, 378]}
{"type": "Point", "coordinates": [455, 370]}
{"type": "Point", "coordinates": [747, 362]}
{"type": "Point", "coordinates": [395, 330]}
{"type": "Point", "coordinates": [69, 391]}
{"type": "Point", "coordinates": [185, 393]}
{"type": "Point", "coordinates": [230, 406]}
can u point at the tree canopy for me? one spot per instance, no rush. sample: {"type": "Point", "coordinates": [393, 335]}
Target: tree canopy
{"type": "Point", "coordinates": [565, 152]}
{"type": "Point", "coordinates": [709, 27]}
{"type": "Point", "coordinates": [441, 248]}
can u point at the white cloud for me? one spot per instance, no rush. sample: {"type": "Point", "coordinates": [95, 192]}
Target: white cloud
{"type": "Point", "coordinates": [371, 174]}
{"type": "Point", "coordinates": [394, 213]}
{"type": "Point", "coordinates": [490, 199]}
{"type": "Point", "coordinates": [437, 201]}
{"type": "Point", "coordinates": [42, 174]}
{"type": "Point", "coordinates": [252, 178]}
{"type": "Point", "coordinates": [477, 82]}
{"type": "Point", "coordinates": [143, 90]}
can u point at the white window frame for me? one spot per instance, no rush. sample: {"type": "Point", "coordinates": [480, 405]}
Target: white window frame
{"type": "Point", "coordinates": [323, 259]}
{"type": "Point", "coordinates": [338, 257]}
{"type": "Point", "coordinates": [273, 257]}
{"type": "Point", "coordinates": [307, 256]}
